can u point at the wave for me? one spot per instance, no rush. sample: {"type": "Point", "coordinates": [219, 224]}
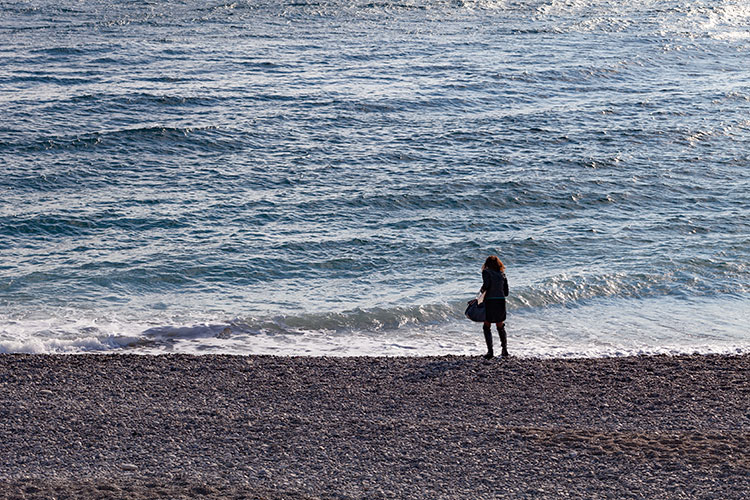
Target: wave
{"type": "Point", "coordinates": [61, 50]}
{"type": "Point", "coordinates": [42, 78]}
{"type": "Point", "coordinates": [157, 100]}
{"type": "Point", "coordinates": [77, 225]}
{"type": "Point", "coordinates": [565, 291]}
{"type": "Point", "coordinates": [40, 345]}
{"type": "Point", "coordinates": [157, 139]}
{"type": "Point", "coordinates": [650, 326]}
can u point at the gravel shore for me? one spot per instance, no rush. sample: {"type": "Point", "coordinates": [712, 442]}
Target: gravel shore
{"type": "Point", "coordinates": [179, 426]}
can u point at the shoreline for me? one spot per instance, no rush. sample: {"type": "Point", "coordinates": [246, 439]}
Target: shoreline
{"type": "Point", "coordinates": [267, 427]}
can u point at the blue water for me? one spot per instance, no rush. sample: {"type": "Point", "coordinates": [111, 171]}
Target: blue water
{"type": "Point", "coordinates": [301, 177]}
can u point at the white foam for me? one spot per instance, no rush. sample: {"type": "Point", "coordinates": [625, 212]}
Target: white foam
{"type": "Point", "coordinates": [602, 327]}
{"type": "Point", "coordinates": [43, 346]}
{"type": "Point", "coordinates": [66, 331]}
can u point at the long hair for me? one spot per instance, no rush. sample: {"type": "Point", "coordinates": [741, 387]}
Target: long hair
{"type": "Point", "coordinates": [494, 263]}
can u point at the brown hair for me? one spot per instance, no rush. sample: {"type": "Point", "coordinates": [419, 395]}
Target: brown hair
{"type": "Point", "coordinates": [494, 263]}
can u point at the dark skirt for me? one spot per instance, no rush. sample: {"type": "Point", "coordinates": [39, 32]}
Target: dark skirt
{"type": "Point", "coordinates": [495, 310]}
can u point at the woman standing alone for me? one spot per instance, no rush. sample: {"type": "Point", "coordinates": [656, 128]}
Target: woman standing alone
{"type": "Point", "coordinates": [495, 288]}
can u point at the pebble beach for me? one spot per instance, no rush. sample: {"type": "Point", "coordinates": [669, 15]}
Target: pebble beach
{"type": "Point", "coordinates": [263, 427]}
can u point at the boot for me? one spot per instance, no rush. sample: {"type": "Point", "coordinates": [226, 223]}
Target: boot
{"type": "Point", "coordinates": [488, 339]}
{"type": "Point", "coordinates": [503, 341]}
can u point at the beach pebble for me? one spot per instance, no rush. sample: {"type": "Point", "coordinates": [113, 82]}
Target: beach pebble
{"type": "Point", "coordinates": [361, 428]}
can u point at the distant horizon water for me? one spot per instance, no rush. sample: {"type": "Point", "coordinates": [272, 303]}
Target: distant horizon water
{"type": "Point", "coordinates": [327, 177]}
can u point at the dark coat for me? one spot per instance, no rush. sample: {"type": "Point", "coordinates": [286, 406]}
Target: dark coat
{"type": "Point", "coordinates": [494, 284]}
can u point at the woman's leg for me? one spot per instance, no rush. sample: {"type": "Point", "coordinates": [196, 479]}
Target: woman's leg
{"type": "Point", "coordinates": [503, 338]}
{"type": "Point", "coordinates": [487, 327]}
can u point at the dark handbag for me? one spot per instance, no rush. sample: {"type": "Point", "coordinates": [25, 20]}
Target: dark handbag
{"type": "Point", "coordinates": [475, 311]}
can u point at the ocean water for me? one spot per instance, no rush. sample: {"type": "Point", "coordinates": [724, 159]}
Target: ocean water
{"type": "Point", "coordinates": [327, 177]}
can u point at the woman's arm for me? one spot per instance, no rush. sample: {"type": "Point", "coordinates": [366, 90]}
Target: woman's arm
{"type": "Point", "coordinates": [505, 286]}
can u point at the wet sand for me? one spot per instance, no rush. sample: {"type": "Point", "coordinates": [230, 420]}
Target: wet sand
{"type": "Point", "coordinates": [178, 426]}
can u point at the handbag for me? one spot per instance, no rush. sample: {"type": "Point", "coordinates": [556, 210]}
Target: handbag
{"type": "Point", "coordinates": [475, 310]}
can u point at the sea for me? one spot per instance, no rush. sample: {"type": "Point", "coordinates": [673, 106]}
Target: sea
{"type": "Point", "coordinates": [300, 177]}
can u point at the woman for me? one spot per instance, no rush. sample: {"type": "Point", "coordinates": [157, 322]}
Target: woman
{"type": "Point", "coordinates": [495, 288]}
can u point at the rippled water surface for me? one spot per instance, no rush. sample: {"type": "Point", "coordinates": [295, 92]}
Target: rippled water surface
{"type": "Point", "coordinates": [299, 177]}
